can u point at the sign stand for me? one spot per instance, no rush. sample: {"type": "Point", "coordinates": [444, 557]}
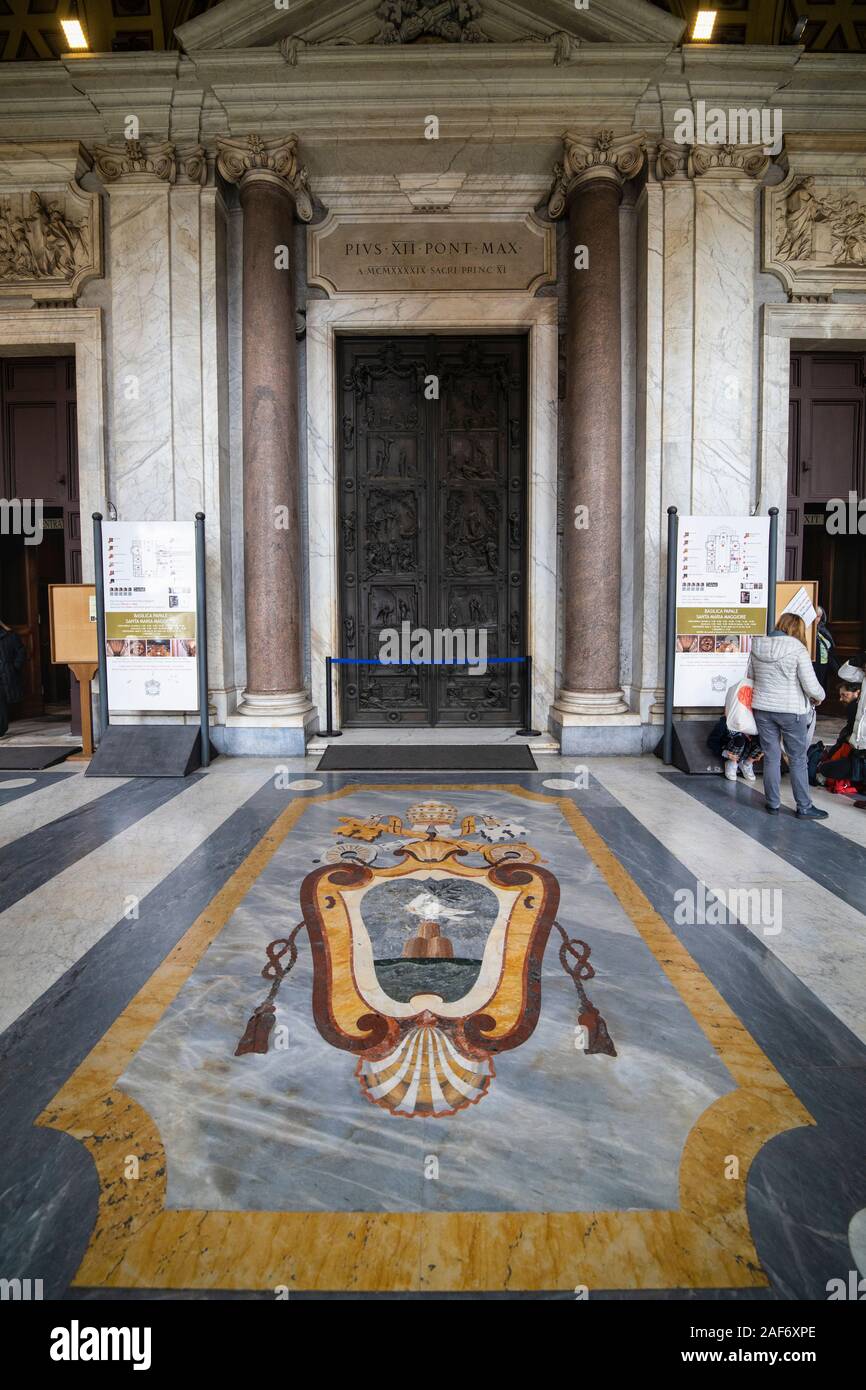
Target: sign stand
{"type": "Point", "coordinates": [84, 673]}
{"type": "Point", "coordinates": [683, 743]}
{"type": "Point", "coordinates": [151, 750]}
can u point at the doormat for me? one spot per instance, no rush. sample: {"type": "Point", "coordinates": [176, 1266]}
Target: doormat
{"type": "Point", "coordinates": [33, 759]}
{"type": "Point", "coordinates": [379, 757]}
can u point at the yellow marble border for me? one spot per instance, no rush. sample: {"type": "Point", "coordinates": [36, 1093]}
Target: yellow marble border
{"type": "Point", "coordinates": [137, 1243]}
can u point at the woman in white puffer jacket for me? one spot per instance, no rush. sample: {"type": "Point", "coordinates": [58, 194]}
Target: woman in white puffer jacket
{"type": "Point", "coordinates": [785, 690]}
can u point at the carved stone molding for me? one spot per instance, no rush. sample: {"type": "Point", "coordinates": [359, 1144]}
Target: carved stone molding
{"type": "Point", "coordinates": [251, 156]}
{"type": "Point", "coordinates": [50, 243]}
{"type": "Point", "coordinates": [814, 237]}
{"type": "Point", "coordinates": [610, 156]}
{"type": "Point", "coordinates": [134, 162]}
{"type": "Point", "coordinates": [728, 161]}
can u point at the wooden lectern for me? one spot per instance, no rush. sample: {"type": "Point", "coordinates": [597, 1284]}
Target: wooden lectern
{"type": "Point", "coordinates": [72, 615]}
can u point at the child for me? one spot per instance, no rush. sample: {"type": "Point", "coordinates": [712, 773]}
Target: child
{"type": "Point", "coordinates": [738, 752]}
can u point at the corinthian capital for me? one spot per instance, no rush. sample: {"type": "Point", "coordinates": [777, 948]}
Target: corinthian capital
{"type": "Point", "coordinates": [136, 163]}
{"type": "Point", "coordinates": [609, 156]}
{"type": "Point", "coordinates": [728, 161]}
{"type": "Point", "coordinates": [251, 156]}
{"type": "Point", "coordinates": [672, 160]}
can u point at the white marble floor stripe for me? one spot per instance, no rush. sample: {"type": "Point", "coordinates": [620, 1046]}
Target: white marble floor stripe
{"type": "Point", "coordinates": [822, 939]}
{"type": "Point", "coordinates": [45, 933]}
{"type": "Point", "coordinates": [46, 804]}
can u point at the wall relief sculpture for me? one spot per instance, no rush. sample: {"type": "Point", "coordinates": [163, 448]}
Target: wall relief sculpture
{"type": "Point", "coordinates": [815, 234]}
{"type": "Point", "coordinates": [49, 242]}
{"type": "Point", "coordinates": [405, 21]}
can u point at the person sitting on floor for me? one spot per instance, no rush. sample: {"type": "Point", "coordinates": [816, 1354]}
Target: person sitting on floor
{"type": "Point", "coordinates": [843, 768]}
{"type": "Point", "coordinates": [738, 752]}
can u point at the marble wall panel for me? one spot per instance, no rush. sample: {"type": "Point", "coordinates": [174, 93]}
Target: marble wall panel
{"type": "Point", "coordinates": [142, 464]}
{"type": "Point", "coordinates": [725, 212]}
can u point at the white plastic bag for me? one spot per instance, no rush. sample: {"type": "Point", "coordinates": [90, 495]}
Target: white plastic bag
{"type": "Point", "coordinates": [738, 708]}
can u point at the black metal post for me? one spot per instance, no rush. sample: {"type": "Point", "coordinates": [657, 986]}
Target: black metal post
{"type": "Point", "coordinates": [771, 577]}
{"type": "Point", "coordinates": [670, 636]}
{"type": "Point", "coordinates": [329, 731]}
{"type": "Point", "coordinates": [101, 656]}
{"type": "Point", "coordinates": [527, 731]}
{"type": "Point", "coordinates": [201, 638]}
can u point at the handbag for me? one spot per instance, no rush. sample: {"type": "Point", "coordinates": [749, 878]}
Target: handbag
{"type": "Point", "coordinates": [738, 708]}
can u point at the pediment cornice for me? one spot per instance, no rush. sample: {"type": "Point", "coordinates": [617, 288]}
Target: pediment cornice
{"type": "Point", "coordinates": [399, 24]}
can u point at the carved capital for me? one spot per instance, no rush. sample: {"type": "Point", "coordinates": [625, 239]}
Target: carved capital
{"type": "Point", "coordinates": [136, 163]}
{"type": "Point", "coordinates": [192, 162]}
{"type": "Point", "coordinates": [251, 156]}
{"type": "Point", "coordinates": [609, 156]}
{"type": "Point", "coordinates": [671, 160]}
{"type": "Point", "coordinates": [728, 161]}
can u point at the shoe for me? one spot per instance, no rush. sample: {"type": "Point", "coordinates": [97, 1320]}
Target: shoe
{"type": "Point", "coordinates": [748, 771]}
{"type": "Point", "coordinates": [842, 788]}
{"type": "Point", "coordinates": [812, 814]}
{"type": "Point", "coordinates": [771, 810]}
{"type": "Point", "coordinates": [730, 770]}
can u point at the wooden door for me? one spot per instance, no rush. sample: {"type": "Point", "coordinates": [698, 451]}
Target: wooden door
{"type": "Point", "coordinates": [432, 487]}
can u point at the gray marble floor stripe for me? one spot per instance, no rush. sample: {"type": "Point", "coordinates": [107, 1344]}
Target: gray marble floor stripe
{"type": "Point", "coordinates": [48, 1191]}
{"type": "Point", "coordinates": [27, 863]}
{"type": "Point", "coordinates": [38, 781]}
{"type": "Point", "coordinates": [799, 1226]}
{"type": "Point", "coordinates": [836, 863]}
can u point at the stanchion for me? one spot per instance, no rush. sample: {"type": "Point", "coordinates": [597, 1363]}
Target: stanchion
{"type": "Point", "coordinates": [101, 656]}
{"type": "Point", "coordinates": [527, 731]}
{"type": "Point", "coordinates": [771, 576]}
{"type": "Point", "coordinates": [330, 731]}
{"type": "Point", "coordinates": [201, 638]}
{"type": "Point", "coordinates": [670, 637]}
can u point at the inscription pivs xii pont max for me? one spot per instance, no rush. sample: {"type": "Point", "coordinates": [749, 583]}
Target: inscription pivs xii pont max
{"type": "Point", "coordinates": [420, 257]}
{"type": "Point", "coordinates": [500, 252]}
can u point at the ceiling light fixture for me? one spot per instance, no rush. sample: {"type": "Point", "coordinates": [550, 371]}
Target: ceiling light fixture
{"type": "Point", "coordinates": [704, 24]}
{"type": "Point", "coordinates": [73, 29]}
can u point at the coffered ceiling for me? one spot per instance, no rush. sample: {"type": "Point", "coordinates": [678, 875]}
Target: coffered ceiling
{"type": "Point", "coordinates": [30, 29]}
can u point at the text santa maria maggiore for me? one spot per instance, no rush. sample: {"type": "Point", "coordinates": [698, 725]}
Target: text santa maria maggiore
{"type": "Point", "coordinates": [436, 257]}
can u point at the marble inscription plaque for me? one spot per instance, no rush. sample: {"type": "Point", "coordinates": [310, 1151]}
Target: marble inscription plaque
{"type": "Point", "coordinates": [350, 255]}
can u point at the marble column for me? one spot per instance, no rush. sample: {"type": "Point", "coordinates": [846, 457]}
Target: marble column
{"type": "Point", "coordinates": [588, 187]}
{"type": "Point", "coordinates": [273, 188]}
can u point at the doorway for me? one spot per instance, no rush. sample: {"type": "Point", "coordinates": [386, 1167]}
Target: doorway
{"type": "Point", "coordinates": [432, 488]}
{"type": "Point", "coordinates": [39, 461]}
{"type": "Point", "coordinates": [827, 459]}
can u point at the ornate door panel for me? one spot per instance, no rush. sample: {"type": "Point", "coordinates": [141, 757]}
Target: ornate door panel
{"type": "Point", "coordinates": [432, 520]}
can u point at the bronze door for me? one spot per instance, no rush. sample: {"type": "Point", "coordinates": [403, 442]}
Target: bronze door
{"type": "Point", "coordinates": [432, 521]}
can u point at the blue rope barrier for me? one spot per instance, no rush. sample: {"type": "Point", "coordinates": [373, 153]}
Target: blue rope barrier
{"type": "Point", "coordinates": [377, 661]}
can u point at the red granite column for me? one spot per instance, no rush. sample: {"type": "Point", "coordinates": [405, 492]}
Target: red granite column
{"type": "Point", "coordinates": [272, 187]}
{"type": "Point", "coordinates": [589, 185]}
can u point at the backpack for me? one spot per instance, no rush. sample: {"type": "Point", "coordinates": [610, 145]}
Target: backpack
{"type": "Point", "coordinates": [813, 759]}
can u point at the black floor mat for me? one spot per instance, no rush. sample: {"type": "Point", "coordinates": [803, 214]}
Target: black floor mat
{"type": "Point", "coordinates": [395, 757]}
{"type": "Point", "coordinates": [20, 758]}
